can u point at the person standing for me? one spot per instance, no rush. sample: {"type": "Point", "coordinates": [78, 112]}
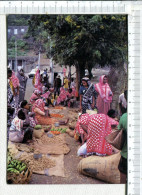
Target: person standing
{"type": "Point", "coordinates": [123, 161]}
{"type": "Point", "coordinates": [45, 78]}
{"type": "Point", "coordinates": [72, 85]}
{"type": "Point", "coordinates": [66, 83]}
{"type": "Point", "coordinates": [13, 82]}
{"type": "Point", "coordinates": [57, 85]}
{"type": "Point", "coordinates": [22, 81]}
{"type": "Point", "coordinates": [87, 95]}
{"type": "Point", "coordinates": [38, 81]}
{"type": "Point", "coordinates": [105, 95]}
{"type": "Point", "coordinates": [123, 102]}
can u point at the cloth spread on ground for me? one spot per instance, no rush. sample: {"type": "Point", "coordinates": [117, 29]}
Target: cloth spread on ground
{"type": "Point", "coordinates": [51, 165]}
{"type": "Point", "coordinates": [55, 145]}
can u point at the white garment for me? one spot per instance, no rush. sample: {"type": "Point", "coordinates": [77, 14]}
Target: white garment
{"type": "Point", "coordinates": [122, 100]}
{"type": "Point", "coordinates": [16, 124]}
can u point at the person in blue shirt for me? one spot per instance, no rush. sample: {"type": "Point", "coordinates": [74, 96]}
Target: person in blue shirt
{"type": "Point", "coordinates": [87, 95]}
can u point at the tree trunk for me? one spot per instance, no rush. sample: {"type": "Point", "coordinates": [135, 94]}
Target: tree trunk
{"type": "Point", "coordinates": [118, 80]}
{"type": "Point", "coordinates": [80, 72]}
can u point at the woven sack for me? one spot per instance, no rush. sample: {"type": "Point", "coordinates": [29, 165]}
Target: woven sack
{"type": "Point", "coordinates": [38, 133]}
{"type": "Point", "coordinates": [116, 139]}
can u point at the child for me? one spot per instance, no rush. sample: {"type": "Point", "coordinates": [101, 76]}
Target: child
{"type": "Point", "coordinates": [27, 109]}
{"type": "Point", "coordinates": [18, 131]}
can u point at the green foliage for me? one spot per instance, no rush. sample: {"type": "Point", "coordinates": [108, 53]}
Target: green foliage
{"type": "Point", "coordinates": [22, 47]}
{"type": "Point", "coordinates": [82, 40]}
{"type": "Point", "coordinates": [18, 20]}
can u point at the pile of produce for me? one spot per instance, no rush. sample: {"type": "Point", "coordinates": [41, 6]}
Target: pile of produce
{"type": "Point", "coordinates": [45, 120]}
{"type": "Point", "coordinates": [38, 127]}
{"type": "Point", "coordinates": [57, 131]}
{"type": "Point", "coordinates": [16, 166]}
{"type": "Point", "coordinates": [58, 107]}
{"type": "Point", "coordinates": [40, 163]}
{"type": "Point", "coordinates": [47, 128]}
{"type": "Point", "coordinates": [45, 139]}
{"type": "Point", "coordinates": [17, 171]}
{"type": "Point", "coordinates": [57, 115]}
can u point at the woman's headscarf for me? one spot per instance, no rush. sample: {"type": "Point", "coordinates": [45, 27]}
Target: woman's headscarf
{"type": "Point", "coordinates": [104, 90]}
{"type": "Point", "coordinates": [36, 92]}
{"type": "Point", "coordinates": [34, 96]}
{"type": "Point", "coordinates": [39, 104]}
{"type": "Point", "coordinates": [87, 80]}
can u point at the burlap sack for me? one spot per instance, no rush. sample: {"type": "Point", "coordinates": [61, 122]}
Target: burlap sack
{"type": "Point", "coordinates": [103, 168]}
{"type": "Point", "coordinates": [38, 133]}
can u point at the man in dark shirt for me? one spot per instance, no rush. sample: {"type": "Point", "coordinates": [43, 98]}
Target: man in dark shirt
{"type": "Point", "coordinates": [57, 85]}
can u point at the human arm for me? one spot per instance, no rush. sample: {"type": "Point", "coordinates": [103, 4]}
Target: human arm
{"type": "Point", "coordinates": [80, 102]}
{"type": "Point", "coordinates": [84, 127]}
{"type": "Point", "coordinates": [82, 140]}
{"type": "Point", "coordinates": [14, 91]}
{"type": "Point", "coordinates": [37, 110]}
{"type": "Point", "coordinates": [93, 103]}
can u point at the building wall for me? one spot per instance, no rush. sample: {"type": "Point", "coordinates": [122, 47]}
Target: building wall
{"type": "Point", "coordinates": [17, 31]}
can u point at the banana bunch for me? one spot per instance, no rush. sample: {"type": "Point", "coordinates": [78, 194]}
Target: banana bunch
{"type": "Point", "coordinates": [15, 166]}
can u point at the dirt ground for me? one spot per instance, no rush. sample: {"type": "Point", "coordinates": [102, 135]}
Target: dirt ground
{"type": "Point", "coordinates": [70, 163]}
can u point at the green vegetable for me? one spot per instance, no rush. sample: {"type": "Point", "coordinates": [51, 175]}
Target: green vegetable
{"type": "Point", "coordinates": [38, 127]}
{"type": "Point", "coordinates": [10, 166]}
{"type": "Point", "coordinates": [22, 168]}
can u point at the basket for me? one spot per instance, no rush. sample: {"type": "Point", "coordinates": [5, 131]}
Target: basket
{"type": "Point", "coordinates": [19, 178]}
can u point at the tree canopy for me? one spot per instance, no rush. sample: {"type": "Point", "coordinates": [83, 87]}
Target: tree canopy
{"type": "Point", "coordinates": [82, 40]}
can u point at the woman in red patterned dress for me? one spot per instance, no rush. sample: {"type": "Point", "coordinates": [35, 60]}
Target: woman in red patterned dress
{"type": "Point", "coordinates": [97, 127]}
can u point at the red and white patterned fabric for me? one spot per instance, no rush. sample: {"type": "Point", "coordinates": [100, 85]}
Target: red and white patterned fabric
{"type": "Point", "coordinates": [46, 95]}
{"type": "Point", "coordinates": [99, 126]}
{"type": "Point", "coordinates": [62, 96]}
{"type": "Point", "coordinates": [83, 119]}
{"type": "Point", "coordinates": [33, 97]}
{"type": "Point", "coordinates": [39, 104]}
{"type": "Point", "coordinates": [73, 91]}
{"type": "Point", "coordinates": [14, 80]}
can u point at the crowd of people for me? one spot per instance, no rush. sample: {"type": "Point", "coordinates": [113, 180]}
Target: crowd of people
{"type": "Point", "coordinates": [91, 128]}
{"type": "Point", "coordinates": [24, 115]}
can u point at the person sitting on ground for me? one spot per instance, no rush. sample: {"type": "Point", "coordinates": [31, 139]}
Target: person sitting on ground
{"type": "Point", "coordinates": [19, 132]}
{"type": "Point", "coordinates": [123, 103]}
{"type": "Point", "coordinates": [93, 129]}
{"type": "Point", "coordinates": [10, 115]}
{"type": "Point", "coordinates": [70, 99]}
{"type": "Point", "coordinates": [36, 95]}
{"type": "Point", "coordinates": [27, 109]}
{"type": "Point", "coordinates": [39, 108]}
{"type": "Point", "coordinates": [62, 96]}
